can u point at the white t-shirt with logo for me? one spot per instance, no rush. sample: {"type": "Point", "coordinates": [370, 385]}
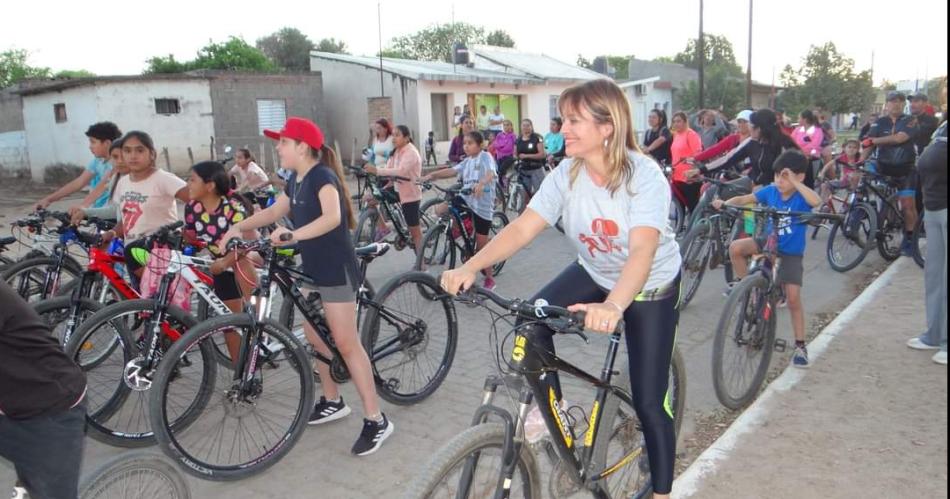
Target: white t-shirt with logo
{"type": "Point", "coordinates": [252, 178]}
{"type": "Point", "coordinates": [599, 223]}
{"type": "Point", "coordinates": [147, 204]}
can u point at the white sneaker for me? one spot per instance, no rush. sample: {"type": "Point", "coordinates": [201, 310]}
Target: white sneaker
{"type": "Point", "coordinates": [940, 357]}
{"type": "Point", "coordinates": [917, 344]}
{"type": "Point", "coordinates": [20, 493]}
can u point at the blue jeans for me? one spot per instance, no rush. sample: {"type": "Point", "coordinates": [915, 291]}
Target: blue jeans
{"type": "Point", "coordinates": [935, 278]}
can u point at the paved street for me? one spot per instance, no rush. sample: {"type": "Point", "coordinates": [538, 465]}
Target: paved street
{"type": "Point", "coordinates": [322, 462]}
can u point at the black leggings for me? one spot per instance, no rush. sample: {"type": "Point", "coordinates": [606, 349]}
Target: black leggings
{"type": "Point", "coordinates": [691, 192]}
{"type": "Point", "coordinates": [650, 334]}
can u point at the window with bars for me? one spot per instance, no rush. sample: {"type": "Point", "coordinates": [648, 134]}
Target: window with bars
{"type": "Point", "coordinates": [59, 112]}
{"type": "Point", "coordinates": [167, 106]}
{"type": "Point", "coordinates": [271, 114]}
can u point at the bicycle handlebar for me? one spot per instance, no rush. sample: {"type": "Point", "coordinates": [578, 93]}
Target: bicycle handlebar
{"type": "Point", "coordinates": [467, 191]}
{"type": "Point", "coordinates": [768, 211]}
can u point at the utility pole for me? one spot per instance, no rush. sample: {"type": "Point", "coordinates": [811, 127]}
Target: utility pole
{"type": "Point", "coordinates": [379, 21]}
{"type": "Point", "coordinates": [748, 73]}
{"type": "Point", "coordinates": [701, 54]}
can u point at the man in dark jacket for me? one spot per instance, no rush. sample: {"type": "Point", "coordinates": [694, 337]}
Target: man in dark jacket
{"type": "Point", "coordinates": [42, 419]}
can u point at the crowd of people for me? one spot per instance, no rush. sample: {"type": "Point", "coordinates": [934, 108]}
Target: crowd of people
{"type": "Point", "coordinates": [608, 187]}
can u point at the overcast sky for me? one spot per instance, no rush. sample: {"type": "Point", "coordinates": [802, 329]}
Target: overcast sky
{"type": "Point", "coordinates": [113, 37]}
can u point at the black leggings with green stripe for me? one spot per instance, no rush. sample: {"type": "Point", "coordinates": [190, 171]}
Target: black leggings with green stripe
{"type": "Point", "coordinates": [650, 334]}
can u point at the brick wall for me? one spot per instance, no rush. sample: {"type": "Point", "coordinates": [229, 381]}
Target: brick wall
{"type": "Point", "coordinates": [11, 112]}
{"type": "Point", "coordinates": [379, 107]}
{"type": "Point", "coordinates": [234, 100]}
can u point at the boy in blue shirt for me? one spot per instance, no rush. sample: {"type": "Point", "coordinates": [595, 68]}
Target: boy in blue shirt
{"type": "Point", "coordinates": [788, 192]}
{"type": "Point", "coordinates": [101, 135]}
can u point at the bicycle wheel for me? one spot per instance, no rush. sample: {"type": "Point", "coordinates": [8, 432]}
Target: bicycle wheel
{"type": "Point", "coordinates": [920, 242]}
{"type": "Point", "coordinates": [851, 239]}
{"type": "Point", "coordinates": [117, 381]}
{"type": "Point", "coordinates": [238, 432]}
{"type": "Point", "coordinates": [621, 439]}
{"type": "Point", "coordinates": [427, 213]}
{"type": "Point", "coordinates": [469, 466]}
{"type": "Point", "coordinates": [742, 347]}
{"type": "Point", "coordinates": [696, 249]}
{"type": "Point", "coordinates": [56, 313]}
{"type": "Point", "coordinates": [138, 474]}
{"type": "Point", "coordinates": [28, 277]}
{"type": "Point", "coordinates": [498, 222]}
{"type": "Point", "coordinates": [677, 216]}
{"type": "Point", "coordinates": [410, 334]}
{"type": "Point", "coordinates": [890, 231]}
{"type": "Point", "coordinates": [365, 232]}
{"type": "Point", "coordinates": [438, 251]}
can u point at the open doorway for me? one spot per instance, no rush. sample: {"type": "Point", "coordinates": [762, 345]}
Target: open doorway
{"type": "Point", "coordinates": [440, 117]}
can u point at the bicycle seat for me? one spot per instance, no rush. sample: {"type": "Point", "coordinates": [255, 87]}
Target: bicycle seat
{"type": "Point", "coordinates": [371, 251]}
{"type": "Point", "coordinates": [6, 241]}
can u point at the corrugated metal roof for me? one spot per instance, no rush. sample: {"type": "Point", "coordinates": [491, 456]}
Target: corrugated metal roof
{"type": "Point", "coordinates": [430, 70]}
{"type": "Point", "coordinates": [537, 65]}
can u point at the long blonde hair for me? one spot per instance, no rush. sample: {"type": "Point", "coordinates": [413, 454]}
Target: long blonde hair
{"type": "Point", "coordinates": [607, 103]}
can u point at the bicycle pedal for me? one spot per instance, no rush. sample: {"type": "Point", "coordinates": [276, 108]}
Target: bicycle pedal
{"type": "Point", "coordinates": [781, 345]}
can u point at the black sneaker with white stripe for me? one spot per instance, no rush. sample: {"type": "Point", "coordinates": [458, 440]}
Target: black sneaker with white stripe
{"type": "Point", "coordinates": [373, 436]}
{"type": "Point", "coordinates": [326, 411]}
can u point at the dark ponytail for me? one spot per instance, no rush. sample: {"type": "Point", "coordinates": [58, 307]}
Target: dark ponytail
{"type": "Point", "coordinates": [329, 157]}
{"type": "Point", "coordinates": [212, 171]}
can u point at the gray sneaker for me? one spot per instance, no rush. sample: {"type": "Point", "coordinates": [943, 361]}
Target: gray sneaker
{"type": "Point", "coordinates": [800, 359]}
{"type": "Point", "coordinates": [918, 343]}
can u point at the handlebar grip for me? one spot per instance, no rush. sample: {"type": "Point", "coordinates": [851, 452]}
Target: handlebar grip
{"type": "Point", "coordinates": [287, 236]}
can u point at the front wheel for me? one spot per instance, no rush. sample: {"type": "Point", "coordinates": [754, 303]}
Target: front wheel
{"type": "Point", "coordinates": [470, 464]}
{"type": "Point", "coordinates": [890, 231]}
{"type": "Point", "coordinates": [920, 242]}
{"type": "Point", "coordinates": [437, 253]}
{"type": "Point", "coordinates": [410, 334]}
{"type": "Point", "coordinates": [742, 347]}
{"type": "Point", "coordinates": [33, 278]}
{"type": "Point", "coordinates": [851, 239]}
{"type": "Point", "coordinates": [498, 222]}
{"type": "Point", "coordinates": [365, 232]}
{"type": "Point", "coordinates": [677, 216]}
{"type": "Point", "coordinates": [696, 252]}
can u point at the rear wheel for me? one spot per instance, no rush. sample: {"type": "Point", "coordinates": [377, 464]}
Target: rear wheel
{"type": "Point", "coordinates": [677, 216]}
{"type": "Point", "coordinates": [742, 347]}
{"type": "Point", "coordinates": [890, 231]}
{"type": "Point", "coordinates": [851, 239]}
{"type": "Point", "coordinates": [29, 277]}
{"type": "Point", "coordinates": [498, 223]}
{"type": "Point", "coordinates": [920, 242]}
{"type": "Point", "coordinates": [437, 252]}
{"type": "Point", "coordinates": [365, 232]}
{"type": "Point", "coordinates": [427, 213]}
{"type": "Point", "coordinates": [139, 474]}
{"type": "Point", "coordinates": [696, 251]}
{"type": "Point", "coordinates": [56, 313]}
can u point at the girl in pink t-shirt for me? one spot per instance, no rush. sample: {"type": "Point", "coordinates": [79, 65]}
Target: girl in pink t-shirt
{"type": "Point", "coordinates": [407, 163]}
{"type": "Point", "coordinates": [686, 144]}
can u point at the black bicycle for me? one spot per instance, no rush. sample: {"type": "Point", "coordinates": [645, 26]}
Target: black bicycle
{"type": "Point", "coordinates": [42, 274]}
{"type": "Point", "coordinates": [451, 240]}
{"type": "Point", "coordinates": [385, 204]}
{"type": "Point", "coordinates": [264, 398]}
{"type": "Point", "coordinates": [493, 459]}
{"type": "Point", "coordinates": [745, 335]}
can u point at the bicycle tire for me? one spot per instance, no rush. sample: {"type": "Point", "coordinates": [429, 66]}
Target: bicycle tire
{"type": "Point", "coordinates": [65, 303]}
{"type": "Point", "coordinates": [696, 253]}
{"type": "Point", "coordinates": [890, 231]}
{"type": "Point", "coordinates": [920, 234]}
{"type": "Point", "coordinates": [498, 223]}
{"type": "Point", "coordinates": [677, 216]}
{"type": "Point", "coordinates": [170, 441]}
{"type": "Point", "coordinates": [136, 465]}
{"type": "Point", "coordinates": [839, 234]}
{"type": "Point", "coordinates": [365, 232]}
{"type": "Point", "coordinates": [427, 215]}
{"type": "Point", "coordinates": [428, 288]}
{"type": "Point", "coordinates": [475, 440]}
{"type": "Point", "coordinates": [738, 297]}
{"type": "Point", "coordinates": [98, 419]}
{"type": "Point", "coordinates": [40, 264]}
{"type": "Point", "coordinates": [436, 245]}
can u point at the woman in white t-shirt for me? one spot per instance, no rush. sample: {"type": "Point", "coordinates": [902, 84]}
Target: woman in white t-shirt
{"type": "Point", "coordinates": [247, 173]}
{"type": "Point", "coordinates": [146, 198]}
{"type": "Point", "coordinates": [614, 201]}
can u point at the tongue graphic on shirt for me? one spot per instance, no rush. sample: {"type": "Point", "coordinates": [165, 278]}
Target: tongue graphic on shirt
{"type": "Point", "coordinates": [130, 215]}
{"type": "Point", "coordinates": [601, 240]}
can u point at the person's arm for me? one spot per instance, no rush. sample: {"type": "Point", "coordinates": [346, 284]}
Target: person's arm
{"type": "Point", "coordinates": [891, 140]}
{"type": "Point", "coordinates": [656, 144]}
{"type": "Point", "coordinates": [100, 189]}
{"type": "Point", "coordinates": [743, 200]}
{"type": "Point", "coordinates": [330, 219]}
{"type": "Point", "coordinates": [267, 216]}
{"type": "Point", "coordinates": [722, 147]}
{"type": "Point", "coordinates": [75, 185]}
{"type": "Point", "coordinates": [811, 197]}
{"type": "Point", "coordinates": [440, 174]}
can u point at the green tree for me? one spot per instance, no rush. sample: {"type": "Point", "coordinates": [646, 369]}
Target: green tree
{"type": "Point", "coordinates": [332, 45]}
{"type": "Point", "coordinates": [723, 88]}
{"type": "Point", "coordinates": [287, 48]}
{"type": "Point", "coordinates": [74, 73]}
{"type": "Point", "coordinates": [584, 62]}
{"type": "Point", "coordinates": [619, 63]}
{"type": "Point", "coordinates": [435, 42]}
{"type": "Point", "coordinates": [827, 79]}
{"type": "Point", "coordinates": [234, 54]}
{"type": "Point", "coordinates": [718, 50]}
{"type": "Point", "coordinates": [14, 67]}
{"type": "Point", "coordinates": [165, 64]}
{"type": "Point", "coordinates": [499, 38]}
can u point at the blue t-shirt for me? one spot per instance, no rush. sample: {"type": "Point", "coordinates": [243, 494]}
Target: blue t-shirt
{"type": "Point", "coordinates": [553, 143]}
{"type": "Point", "coordinates": [99, 168]}
{"type": "Point", "coordinates": [791, 232]}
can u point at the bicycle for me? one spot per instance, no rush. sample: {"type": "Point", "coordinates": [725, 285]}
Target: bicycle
{"type": "Point", "coordinates": [267, 394]}
{"type": "Point", "coordinates": [386, 206]}
{"type": "Point", "coordinates": [45, 271]}
{"type": "Point", "coordinates": [746, 329]}
{"type": "Point", "coordinates": [517, 189]}
{"type": "Point", "coordinates": [4, 243]}
{"type": "Point", "coordinates": [139, 474]}
{"type": "Point", "coordinates": [834, 203]}
{"type": "Point", "coordinates": [452, 238]}
{"type": "Point", "coordinates": [706, 245]}
{"type": "Point", "coordinates": [492, 459]}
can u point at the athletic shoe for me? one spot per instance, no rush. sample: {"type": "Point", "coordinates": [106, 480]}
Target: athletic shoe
{"type": "Point", "coordinates": [919, 344]}
{"type": "Point", "coordinates": [729, 287]}
{"type": "Point", "coordinates": [940, 357]}
{"type": "Point", "coordinates": [325, 411]}
{"type": "Point", "coordinates": [489, 284]}
{"type": "Point", "coordinates": [373, 436]}
{"type": "Point", "coordinates": [20, 493]}
{"type": "Point", "coordinates": [800, 359]}
{"type": "Point", "coordinates": [907, 247]}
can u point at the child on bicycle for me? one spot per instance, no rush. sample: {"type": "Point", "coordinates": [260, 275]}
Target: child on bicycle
{"type": "Point", "coordinates": [318, 202]}
{"type": "Point", "coordinates": [109, 211]}
{"type": "Point", "coordinates": [477, 172]}
{"type": "Point", "coordinates": [849, 178]}
{"type": "Point", "coordinates": [101, 135]}
{"type": "Point", "coordinates": [788, 192]}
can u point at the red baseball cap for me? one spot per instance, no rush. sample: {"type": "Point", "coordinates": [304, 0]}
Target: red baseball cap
{"type": "Point", "coordinates": [300, 129]}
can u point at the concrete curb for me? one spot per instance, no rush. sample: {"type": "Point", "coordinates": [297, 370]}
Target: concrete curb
{"type": "Point", "coordinates": [688, 483]}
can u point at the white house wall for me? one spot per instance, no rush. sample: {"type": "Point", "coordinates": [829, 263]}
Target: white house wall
{"type": "Point", "coordinates": [13, 152]}
{"type": "Point", "coordinates": [132, 107]}
{"type": "Point", "coordinates": [49, 142]}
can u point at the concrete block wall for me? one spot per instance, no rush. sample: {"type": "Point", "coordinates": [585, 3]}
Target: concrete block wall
{"type": "Point", "coordinates": [14, 157]}
{"type": "Point", "coordinates": [11, 112]}
{"type": "Point", "coordinates": [234, 100]}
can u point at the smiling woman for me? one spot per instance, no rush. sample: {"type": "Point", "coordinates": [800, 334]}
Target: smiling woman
{"type": "Point", "coordinates": [614, 202]}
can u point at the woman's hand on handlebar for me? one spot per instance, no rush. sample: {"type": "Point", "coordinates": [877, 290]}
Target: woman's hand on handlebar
{"type": "Point", "coordinates": [76, 215]}
{"type": "Point", "coordinates": [282, 236]}
{"type": "Point", "coordinates": [459, 279]}
{"type": "Point", "coordinates": [718, 204]}
{"type": "Point", "coordinates": [601, 317]}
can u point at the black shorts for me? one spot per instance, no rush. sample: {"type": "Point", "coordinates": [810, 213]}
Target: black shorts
{"type": "Point", "coordinates": [226, 286]}
{"type": "Point", "coordinates": [482, 226]}
{"type": "Point", "coordinates": [410, 211]}
{"type": "Point", "coordinates": [908, 173]}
